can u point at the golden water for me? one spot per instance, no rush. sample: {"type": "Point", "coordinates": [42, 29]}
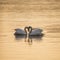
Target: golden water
{"type": "Point", "coordinates": [42, 14]}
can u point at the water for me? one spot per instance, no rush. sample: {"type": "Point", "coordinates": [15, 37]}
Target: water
{"type": "Point", "coordinates": [13, 15]}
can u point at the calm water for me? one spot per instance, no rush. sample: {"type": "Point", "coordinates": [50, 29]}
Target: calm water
{"type": "Point", "coordinates": [44, 48]}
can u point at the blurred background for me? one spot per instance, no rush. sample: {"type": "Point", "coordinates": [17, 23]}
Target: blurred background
{"type": "Point", "coordinates": [43, 14]}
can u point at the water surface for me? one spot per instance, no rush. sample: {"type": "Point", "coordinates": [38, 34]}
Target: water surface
{"type": "Point", "coordinates": [41, 14]}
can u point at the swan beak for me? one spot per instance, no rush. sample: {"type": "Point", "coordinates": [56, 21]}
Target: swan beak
{"type": "Point", "coordinates": [15, 29]}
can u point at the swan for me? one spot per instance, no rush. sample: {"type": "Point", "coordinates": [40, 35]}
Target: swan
{"type": "Point", "coordinates": [34, 31]}
{"type": "Point", "coordinates": [21, 32]}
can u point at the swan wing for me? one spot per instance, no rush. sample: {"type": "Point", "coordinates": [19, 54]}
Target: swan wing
{"type": "Point", "coordinates": [35, 32]}
{"type": "Point", "coordinates": [20, 31]}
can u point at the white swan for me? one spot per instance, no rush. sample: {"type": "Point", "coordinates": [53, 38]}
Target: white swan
{"type": "Point", "coordinates": [35, 31]}
{"type": "Point", "coordinates": [21, 32]}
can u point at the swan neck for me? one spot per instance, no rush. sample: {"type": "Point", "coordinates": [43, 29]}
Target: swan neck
{"type": "Point", "coordinates": [30, 30]}
{"type": "Point", "coordinates": [26, 30]}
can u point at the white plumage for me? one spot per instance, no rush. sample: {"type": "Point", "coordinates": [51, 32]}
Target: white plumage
{"type": "Point", "coordinates": [36, 32]}
{"type": "Point", "coordinates": [20, 31]}
{"type": "Point", "coordinates": [32, 31]}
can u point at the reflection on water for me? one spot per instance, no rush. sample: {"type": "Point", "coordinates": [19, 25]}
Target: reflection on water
{"type": "Point", "coordinates": [29, 39]}
{"type": "Point", "coordinates": [20, 37]}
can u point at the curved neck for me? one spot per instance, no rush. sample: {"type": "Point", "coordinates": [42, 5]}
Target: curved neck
{"type": "Point", "coordinates": [26, 29]}
{"type": "Point", "coordinates": [30, 30]}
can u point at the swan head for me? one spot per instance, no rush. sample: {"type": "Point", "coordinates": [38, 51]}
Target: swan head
{"type": "Point", "coordinates": [30, 29]}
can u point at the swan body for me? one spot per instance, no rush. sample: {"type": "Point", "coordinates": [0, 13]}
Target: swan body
{"type": "Point", "coordinates": [34, 31]}
{"type": "Point", "coordinates": [20, 32]}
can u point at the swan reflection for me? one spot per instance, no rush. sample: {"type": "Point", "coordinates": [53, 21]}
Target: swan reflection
{"type": "Point", "coordinates": [29, 39]}
{"type": "Point", "coordinates": [18, 37]}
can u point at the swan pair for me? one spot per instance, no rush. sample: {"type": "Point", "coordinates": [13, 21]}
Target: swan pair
{"type": "Point", "coordinates": [29, 31]}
